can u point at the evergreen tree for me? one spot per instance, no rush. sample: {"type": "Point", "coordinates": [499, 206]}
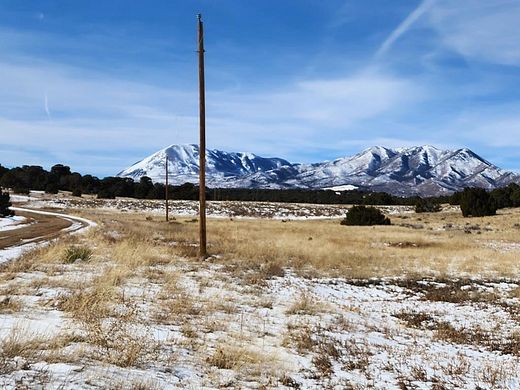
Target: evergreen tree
{"type": "Point", "coordinates": [51, 188]}
{"type": "Point", "coordinates": [477, 202]}
{"type": "Point", "coordinates": [76, 192]}
{"type": "Point", "coordinates": [365, 216]}
{"type": "Point", "coordinates": [426, 206]}
{"type": "Point", "coordinates": [5, 204]}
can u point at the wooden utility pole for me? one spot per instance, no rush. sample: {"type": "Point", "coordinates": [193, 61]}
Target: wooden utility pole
{"type": "Point", "coordinates": [202, 145]}
{"type": "Point", "coordinates": [166, 188]}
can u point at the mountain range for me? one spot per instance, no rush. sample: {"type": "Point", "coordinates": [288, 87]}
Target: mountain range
{"type": "Point", "coordinates": [422, 170]}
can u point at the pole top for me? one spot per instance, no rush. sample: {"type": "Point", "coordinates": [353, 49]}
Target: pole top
{"type": "Point", "coordinates": [199, 17]}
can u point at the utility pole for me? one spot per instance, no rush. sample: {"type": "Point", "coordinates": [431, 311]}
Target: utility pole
{"type": "Point", "coordinates": [202, 145]}
{"type": "Point", "coordinates": [166, 189]}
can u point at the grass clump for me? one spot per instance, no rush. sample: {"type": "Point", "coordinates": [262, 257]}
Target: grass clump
{"type": "Point", "coordinates": [10, 305]}
{"type": "Point", "coordinates": [74, 253]}
{"type": "Point", "coordinates": [231, 357]}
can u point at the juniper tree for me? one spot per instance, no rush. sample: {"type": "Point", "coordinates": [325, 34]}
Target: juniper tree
{"type": "Point", "coordinates": [477, 202]}
{"type": "Point", "coordinates": [365, 216]}
{"type": "Point", "coordinates": [5, 204]}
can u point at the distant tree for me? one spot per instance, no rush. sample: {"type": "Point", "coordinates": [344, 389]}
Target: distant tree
{"type": "Point", "coordinates": [378, 198]}
{"type": "Point", "coordinates": [60, 170]}
{"type": "Point", "coordinates": [157, 192]}
{"type": "Point", "coordinates": [35, 177]}
{"type": "Point", "coordinates": [365, 216]}
{"type": "Point", "coordinates": [189, 191]}
{"type": "Point", "coordinates": [477, 202]}
{"type": "Point", "coordinates": [12, 178]}
{"type": "Point", "coordinates": [70, 182]}
{"type": "Point", "coordinates": [106, 193]}
{"type": "Point", "coordinates": [507, 196]}
{"type": "Point", "coordinates": [51, 188]}
{"type": "Point", "coordinates": [455, 199]}
{"type": "Point", "coordinates": [5, 204]}
{"type": "Point", "coordinates": [90, 184]}
{"type": "Point", "coordinates": [144, 187]}
{"type": "Point", "coordinates": [77, 192]}
{"type": "Point", "coordinates": [21, 190]}
{"type": "Point", "coordinates": [3, 170]}
{"type": "Point", "coordinates": [423, 205]}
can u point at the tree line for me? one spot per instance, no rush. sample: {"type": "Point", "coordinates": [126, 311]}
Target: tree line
{"type": "Point", "coordinates": [61, 178]}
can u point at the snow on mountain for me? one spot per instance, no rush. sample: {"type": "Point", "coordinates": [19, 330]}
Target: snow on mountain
{"type": "Point", "coordinates": [423, 170]}
{"type": "Point", "coordinates": [183, 165]}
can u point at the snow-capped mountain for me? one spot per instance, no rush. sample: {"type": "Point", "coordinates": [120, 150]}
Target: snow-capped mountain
{"type": "Point", "coordinates": [183, 165]}
{"type": "Point", "coordinates": [423, 170]}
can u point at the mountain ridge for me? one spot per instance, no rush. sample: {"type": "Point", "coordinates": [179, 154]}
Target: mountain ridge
{"type": "Point", "coordinates": [418, 170]}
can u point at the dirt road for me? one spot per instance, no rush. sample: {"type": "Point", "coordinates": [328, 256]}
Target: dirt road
{"type": "Point", "coordinates": [41, 226]}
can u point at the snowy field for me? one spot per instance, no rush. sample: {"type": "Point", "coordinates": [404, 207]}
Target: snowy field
{"type": "Point", "coordinates": [205, 329]}
{"type": "Point", "coordinates": [133, 308]}
{"type": "Point", "coordinates": [187, 208]}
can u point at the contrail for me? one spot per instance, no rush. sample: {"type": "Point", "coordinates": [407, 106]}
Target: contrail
{"type": "Point", "coordinates": [403, 27]}
{"type": "Point", "coordinates": [47, 107]}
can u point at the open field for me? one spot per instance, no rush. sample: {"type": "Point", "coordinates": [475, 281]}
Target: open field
{"type": "Point", "coordinates": [432, 301]}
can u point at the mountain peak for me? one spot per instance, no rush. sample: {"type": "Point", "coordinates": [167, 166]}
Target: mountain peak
{"type": "Point", "coordinates": [420, 170]}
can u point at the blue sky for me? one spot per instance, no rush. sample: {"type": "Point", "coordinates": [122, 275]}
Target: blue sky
{"type": "Point", "coordinates": [99, 85]}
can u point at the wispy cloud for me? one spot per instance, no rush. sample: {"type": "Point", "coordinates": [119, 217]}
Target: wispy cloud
{"type": "Point", "coordinates": [46, 106]}
{"type": "Point", "coordinates": [113, 100]}
{"type": "Point", "coordinates": [486, 31]}
{"type": "Point", "coordinates": [99, 111]}
{"type": "Point", "coordinates": [403, 27]}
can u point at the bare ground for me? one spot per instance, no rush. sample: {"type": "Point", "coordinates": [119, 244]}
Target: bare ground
{"type": "Point", "coordinates": [39, 228]}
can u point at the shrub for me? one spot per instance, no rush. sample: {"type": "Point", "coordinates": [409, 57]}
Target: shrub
{"type": "Point", "coordinates": [4, 205]}
{"type": "Point", "coordinates": [73, 253]}
{"type": "Point", "coordinates": [51, 188]}
{"type": "Point", "coordinates": [476, 202]}
{"type": "Point", "coordinates": [426, 206]}
{"type": "Point", "coordinates": [106, 194]}
{"type": "Point", "coordinates": [365, 216]}
{"type": "Point", "coordinates": [76, 192]}
{"type": "Point", "coordinates": [21, 190]}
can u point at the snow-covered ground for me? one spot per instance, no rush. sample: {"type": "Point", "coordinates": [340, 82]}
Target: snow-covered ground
{"type": "Point", "coordinates": [223, 209]}
{"type": "Point", "coordinates": [78, 225]}
{"type": "Point", "coordinates": [11, 223]}
{"type": "Point", "coordinates": [291, 333]}
{"type": "Point", "coordinates": [153, 319]}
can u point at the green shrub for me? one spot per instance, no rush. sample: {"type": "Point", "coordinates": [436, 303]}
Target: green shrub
{"type": "Point", "coordinates": [365, 216]}
{"type": "Point", "coordinates": [426, 206]}
{"type": "Point", "coordinates": [74, 253]}
{"type": "Point", "coordinates": [476, 202]}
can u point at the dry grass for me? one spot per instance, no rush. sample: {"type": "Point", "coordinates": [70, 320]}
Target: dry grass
{"type": "Point", "coordinates": [113, 328]}
{"type": "Point", "coordinates": [236, 358]}
{"type": "Point", "coordinates": [129, 251]}
{"type": "Point", "coordinates": [28, 347]}
{"type": "Point", "coordinates": [415, 320]}
{"type": "Point", "coordinates": [87, 305]}
{"type": "Point", "coordinates": [10, 305]}
{"type": "Point", "coordinates": [305, 304]}
{"type": "Point", "coordinates": [19, 342]}
{"type": "Point", "coordinates": [300, 337]}
{"type": "Point", "coordinates": [260, 249]}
